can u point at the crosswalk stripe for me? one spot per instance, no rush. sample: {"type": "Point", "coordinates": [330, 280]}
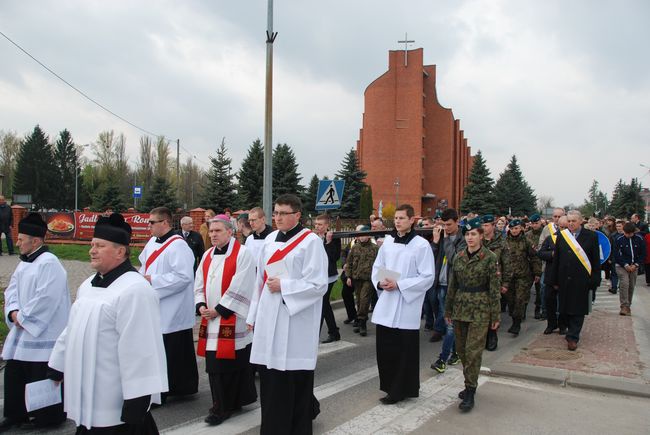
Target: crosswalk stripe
{"type": "Point", "coordinates": [250, 419]}
{"type": "Point", "coordinates": [335, 346]}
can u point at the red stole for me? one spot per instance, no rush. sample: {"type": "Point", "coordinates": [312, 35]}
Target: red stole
{"type": "Point", "coordinates": [159, 251]}
{"type": "Point", "coordinates": [226, 337]}
{"type": "Point", "coordinates": [281, 253]}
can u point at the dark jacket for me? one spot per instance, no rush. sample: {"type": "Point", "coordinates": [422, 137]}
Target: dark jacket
{"type": "Point", "coordinates": [195, 242]}
{"type": "Point", "coordinates": [439, 254]}
{"type": "Point", "coordinates": [629, 251]}
{"type": "Point", "coordinates": [567, 272]}
{"type": "Point", "coordinates": [6, 217]}
{"type": "Point", "coordinates": [545, 252]}
{"type": "Point", "coordinates": [333, 250]}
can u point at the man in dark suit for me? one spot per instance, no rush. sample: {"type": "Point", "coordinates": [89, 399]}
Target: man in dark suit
{"type": "Point", "coordinates": [574, 272]}
{"type": "Point", "coordinates": [193, 239]}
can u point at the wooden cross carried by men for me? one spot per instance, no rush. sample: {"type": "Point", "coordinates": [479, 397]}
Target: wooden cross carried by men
{"type": "Point", "coordinates": [406, 43]}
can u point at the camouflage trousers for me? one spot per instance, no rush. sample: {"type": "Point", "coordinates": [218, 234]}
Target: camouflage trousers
{"type": "Point", "coordinates": [363, 289]}
{"type": "Point", "coordinates": [470, 342]}
{"type": "Point", "coordinates": [518, 295]}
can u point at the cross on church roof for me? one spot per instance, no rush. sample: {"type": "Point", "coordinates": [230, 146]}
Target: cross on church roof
{"type": "Point", "coordinates": [406, 43]}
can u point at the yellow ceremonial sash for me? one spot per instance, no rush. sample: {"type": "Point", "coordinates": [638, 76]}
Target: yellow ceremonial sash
{"type": "Point", "coordinates": [577, 249]}
{"type": "Point", "coordinates": [552, 230]}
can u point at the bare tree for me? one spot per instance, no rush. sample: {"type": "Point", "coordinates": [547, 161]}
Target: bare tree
{"type": "Point", "coordinates": [9, 147]}
{"type": "Point", "coordinates": [162, 162]}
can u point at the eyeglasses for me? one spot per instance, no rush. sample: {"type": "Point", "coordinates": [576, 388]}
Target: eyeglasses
{"type": "Point", "coordinates": [154, 222]}
{"type": "Point", "coordinates": [283, 213]}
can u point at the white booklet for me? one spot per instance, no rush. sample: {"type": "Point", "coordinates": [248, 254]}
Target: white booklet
{"type": "Point", "coordinates": [383, 273]}
{"type": "Point", "coordinates": [41, 394]}
{"type": "Point", "coordinates": [277, 269]}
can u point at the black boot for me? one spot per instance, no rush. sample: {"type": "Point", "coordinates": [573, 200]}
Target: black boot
{"type": "Point", "coordinates": [538, 312]}
{"type": "Point", "coordinates": [357, 326]}
{"type": "Point", "coordinates": [516, 327]}
{"type": "Point", "coordinates": [363, 331]}
{"type": "Point", "coordinates": [468, 400]}
{"type": "Point", "coordinates": [461, 395]}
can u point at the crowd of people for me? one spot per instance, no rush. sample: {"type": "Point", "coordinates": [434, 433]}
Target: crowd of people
{"type": "Point", "coordinates": [261, 296]}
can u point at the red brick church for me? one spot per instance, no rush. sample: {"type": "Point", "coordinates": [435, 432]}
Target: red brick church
{"type": "Point", "coordinates": [412, 147]}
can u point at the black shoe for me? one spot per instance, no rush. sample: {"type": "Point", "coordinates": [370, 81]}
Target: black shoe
{"type": "Point", "coordinates": [363, 330]}
{"type": "Point", "coordinates": [516, 327]}
{"type": "Point", "coordinates": [348, 321]}
{"type": "Point", "coordinates": [388, 400]}
{"type": "Point", "coordinates": [214, 420]}
{"type": "Point", "coordinates": [538, 313]}
{"type": "Point", "coordinates": [468, 400]}
{"type": "Point", "coordinates": [331, 338]}
{"type": "Point", "coordinates": [356, 328]}
{"type": "Point", "coordinates": [611, 290]}
{"type": "Point", "coordinates": [542, 316]}
{"type": "Point", "coordinates": [549, 330]}
{"type": "Point", "coordinates": [562, 331]}
{"type": "Point", "coordinates": [461, 395]}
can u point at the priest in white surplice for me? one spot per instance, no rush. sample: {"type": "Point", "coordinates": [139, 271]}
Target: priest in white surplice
{"type": "Point", "coordinates": [287, 320]}
{"type": "Point", "coordinates": [398, 311]}
{"type": "Point", "coordinates": [222, 292]}
{"type": "Point", "coordinates": [111, 355]}
{"type": "Point", "coordinates": [167, 262]}
{"type": "Point", "coordinates": [37, 304]}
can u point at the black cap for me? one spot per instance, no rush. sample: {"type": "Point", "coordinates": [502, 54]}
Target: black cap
{"type": "Point", "coordinates": [114, 229]}
{"type": "Point", "coordinates": [32, 225]}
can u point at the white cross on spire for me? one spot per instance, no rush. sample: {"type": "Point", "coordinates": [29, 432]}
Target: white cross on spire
{"type": "Point", "coordinates": [406, 43]}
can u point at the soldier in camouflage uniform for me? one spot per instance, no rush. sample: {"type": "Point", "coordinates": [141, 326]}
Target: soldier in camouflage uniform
{"type": "Point", "coordinates": [359, 266]}
{"type": "Point", "coordinates": [533, 236]}
{"type": "Point", "coordinates": [472, 305]}
{"type": "Point", "coordinates": [494, 240]}
{"type": "Point", "coordinates": [521, 268]}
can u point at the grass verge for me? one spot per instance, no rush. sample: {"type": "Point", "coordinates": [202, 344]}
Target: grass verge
{"type": "Point", "coordinates": [80, 253]}
{"type": "Point", "coordinates": [4, 330]}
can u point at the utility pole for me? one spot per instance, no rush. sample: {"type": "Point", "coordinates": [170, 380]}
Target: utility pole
{"type": "Point", "coordinates": [267, 186]}
{"type": "Point", "coordinates": [178, 169]}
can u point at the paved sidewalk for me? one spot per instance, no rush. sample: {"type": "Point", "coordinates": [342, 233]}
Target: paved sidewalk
{"type": "Point", "coordinates": [613, 354]}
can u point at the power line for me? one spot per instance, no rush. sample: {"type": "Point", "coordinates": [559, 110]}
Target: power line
{"type": "Point", "coordinates": [86, 96]}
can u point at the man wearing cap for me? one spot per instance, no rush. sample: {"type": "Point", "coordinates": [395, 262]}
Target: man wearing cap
{"type": "Point", "coordinates": [223, 290]}
{"type": "Point", "coordinates": [168, 264]}
{"type": "Point", "coordinates": [533, 235]}
{"type": "Point", "coordinates": [359, 267]}
{"type": "Point", "coordinates": [37, 304]}
{"type": "Point", "coordinates": [111, 355]}
{"type": "Point", "coordinates": [494, 240]}
{"type": "Point", "coordinates": [521, 268]}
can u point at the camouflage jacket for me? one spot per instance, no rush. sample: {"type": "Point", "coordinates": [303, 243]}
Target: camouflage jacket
{"type": "Point", "coordinates": [360, 260]}
{"type": "Point", "coordinates": [496, 246]}
{"type": "Point", "coordinates": [533, 236]}
{"type": "Point", "coordinates": [519, 259]}
{"type": "Point", "coordinates": [473, 293]}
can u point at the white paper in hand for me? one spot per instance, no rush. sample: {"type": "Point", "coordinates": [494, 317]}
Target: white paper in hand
{"type": "Point", "coordinates": [383, 273]}
{"type": "Point", "coordinates": [41, 394]}
{"type": "Point", "coordinates": [277, 269]}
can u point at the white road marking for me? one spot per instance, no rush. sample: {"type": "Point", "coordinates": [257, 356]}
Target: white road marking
{"type": "Point", "coordinates": [324, 349]}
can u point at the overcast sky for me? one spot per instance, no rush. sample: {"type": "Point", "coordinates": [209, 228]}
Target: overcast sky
{"type": "Point", "coordinates": [563, 85]}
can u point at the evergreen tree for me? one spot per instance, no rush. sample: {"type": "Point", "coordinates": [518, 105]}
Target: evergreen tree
{"type": "Point", "coordinates": [365, 207]}
{"type": "Point", "coordinates": [626, 199]}
{"type": "Point", "coordinates": [220, 191]}
{"type": "Point", "coordinates": [108, 195]}
{"type": "Point", "coordinates": [251, 177]}
{"type": "Point", "coordinates": [286, 178]}
{"type": "Point", "coordinates": [36, 173]}
{"type": "Point", "coordinates": [354, 185]}
{"type": "Point", "coordinates": [512, 193]}
{"type": "Point", "coordinates": [596, 203]}
{"type": "Point", "coordinates": [9, 147]}
{"type": "Point", "coordinates": [161, 195]}
{"type": "Point", "coordinates": [65, 158]}
{"type": "Point", "coordinates": [478, 196]}
{"type": "Point", "coordinates": [309, 197]}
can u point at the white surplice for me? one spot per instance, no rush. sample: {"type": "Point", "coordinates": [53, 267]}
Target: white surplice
{"type": "Point", "coordinates": [287, 323]}
{"type": "Point", "coordinates": [237, 298]}
{"type": "Point", "coordinates": [111, 350]}
{"type": "Point", "coordinates": [172, 277]}
{"type": "Point", "coordinates": [39, 291]}
{"type": "Point", "coordinates": [402, 308]}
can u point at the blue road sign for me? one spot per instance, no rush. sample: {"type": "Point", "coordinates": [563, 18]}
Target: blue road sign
{"type": "Point", "coordinates": [330, 194]}
{"type": "Point", "coordinates": [605, 247]}
{"type": "Point", "coordinates": [137, 191]}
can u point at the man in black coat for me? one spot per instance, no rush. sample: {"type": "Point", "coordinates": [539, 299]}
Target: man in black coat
{"type": "Point", "coordinates": [6, 222]}
{"type": "Point", "coordinates": [571, 277]}
{"type": "Point", "coordinates": [193, 239]}
{"type": "Point", "coordinates": [333, 250]}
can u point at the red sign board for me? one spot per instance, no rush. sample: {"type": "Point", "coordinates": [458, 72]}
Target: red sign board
{"type": "Point", "coordinates": [60, 225]}
{"type": "Point", "coordinates": [84, 225]}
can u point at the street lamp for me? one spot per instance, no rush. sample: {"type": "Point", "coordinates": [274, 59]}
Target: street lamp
{"type": "Point", "coordinates": [76, 177]}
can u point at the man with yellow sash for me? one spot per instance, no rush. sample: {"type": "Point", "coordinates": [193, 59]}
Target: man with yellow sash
{"type": "Point", "coordinates": [223, 289]}
{"type": "Point", "coordinates": [574, 272]}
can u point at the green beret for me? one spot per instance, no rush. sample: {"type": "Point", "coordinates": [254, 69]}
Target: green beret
{"type": "Point", "coordinates": [515, 222]}
{"type": "Point", "coordinates": [472, 224]}
{"type": "Point", "coordinates": [487, 218]}
{"type": "Point", "coordinates": [535, 217]}
{"type": "Point", "coordinates": [438, 215]}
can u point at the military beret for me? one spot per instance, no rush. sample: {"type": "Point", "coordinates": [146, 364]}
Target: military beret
{"type": "Point", "coordinates": [114, 229]}
{"type": "Point", "coordinates": [32, 225]}
{"type": "Point", "coordinates": [515, 222]}
{"type": "Point", "coordinates": [487, 218]}
{"type": "Point", "coordinates": [438, 215]}
{"type": "Point", "coordinates": [472, 224]}
{"type": "Point", "coordinates": [364, 228]}
{"type": "Point", "coordinates": [535, 217]}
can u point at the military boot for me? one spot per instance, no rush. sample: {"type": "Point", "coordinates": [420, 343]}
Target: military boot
{"type": "Point", "coordinates": [516, 327]}
{"type": "Point", "coordinates": [468, 400]}
{"type": "Point", "coordinates": [363, 331]}
{"type": "Point", "coordinates": [538, 312]}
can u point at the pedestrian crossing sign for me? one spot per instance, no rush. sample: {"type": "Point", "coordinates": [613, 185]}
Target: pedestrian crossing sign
{"type": "Point", "coordinates": [330, 194]}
